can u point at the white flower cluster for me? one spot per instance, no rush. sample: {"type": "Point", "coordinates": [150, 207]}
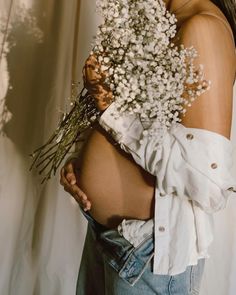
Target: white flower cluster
{"type": "Point", "coordinates": [148, 75]}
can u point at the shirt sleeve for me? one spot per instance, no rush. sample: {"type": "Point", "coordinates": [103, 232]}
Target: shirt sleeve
{"type": "Point", "coordinates": [192, 163]}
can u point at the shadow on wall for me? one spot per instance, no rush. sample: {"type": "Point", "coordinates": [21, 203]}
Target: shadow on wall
{"type": "Point", "coordinates": [33, 70]}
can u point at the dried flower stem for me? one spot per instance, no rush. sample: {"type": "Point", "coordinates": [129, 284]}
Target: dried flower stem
{"type": "Point", "coordinates": [82, 116]}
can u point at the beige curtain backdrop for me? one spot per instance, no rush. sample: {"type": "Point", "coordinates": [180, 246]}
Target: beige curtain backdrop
{"type": "Point", "coordinates": [42, 230]}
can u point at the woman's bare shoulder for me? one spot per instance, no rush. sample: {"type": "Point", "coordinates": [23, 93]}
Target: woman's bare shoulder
{"type": "Point", "coordinates": [211, 37]}
{"type": "Point", "coordinates": [207, 23]}
{"type": "Point", "coordinates": [216, 51]}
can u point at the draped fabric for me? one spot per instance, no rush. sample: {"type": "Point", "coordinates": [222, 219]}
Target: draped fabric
{"type": "Point", "coordinates": [42, 230]}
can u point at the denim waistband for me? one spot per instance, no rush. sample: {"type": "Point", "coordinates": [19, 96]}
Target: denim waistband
{"type": "Point", "coordinates": [128, 260]}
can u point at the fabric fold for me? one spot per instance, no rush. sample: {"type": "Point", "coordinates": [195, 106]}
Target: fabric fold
{"type": "Point", "coordinates": [193, 163]}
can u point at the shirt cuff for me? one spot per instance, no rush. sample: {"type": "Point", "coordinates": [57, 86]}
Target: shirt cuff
{"type": "Point", "coordinates": [124, 128]}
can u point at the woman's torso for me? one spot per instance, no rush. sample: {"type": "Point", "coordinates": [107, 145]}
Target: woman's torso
{"type": "Point", "coordinates": [116, 186]}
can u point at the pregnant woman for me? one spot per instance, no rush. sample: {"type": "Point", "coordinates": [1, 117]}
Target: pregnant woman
{"type": "Point", "coordinates": [141, 238]}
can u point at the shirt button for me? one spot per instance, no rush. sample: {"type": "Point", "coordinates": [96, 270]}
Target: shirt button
{"type": "Point", "coordinates": [161, 228]}
{"type": "Point", "coordinates": [213, 165]}
{"type": "Point", "coordinates": [162, 195]}
{"type": "Point", "coordinates": [189, 136]}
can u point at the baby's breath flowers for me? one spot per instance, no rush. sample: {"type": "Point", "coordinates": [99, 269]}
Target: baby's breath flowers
{"type": "Point", "coordinates": [149, 75]}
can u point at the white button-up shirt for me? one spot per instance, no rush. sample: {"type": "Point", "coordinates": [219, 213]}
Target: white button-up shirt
{"type": "Point", "coordinates": [193, 180]}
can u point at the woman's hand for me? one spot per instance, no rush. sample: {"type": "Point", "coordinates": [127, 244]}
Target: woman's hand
{"type": "Point", "coordinates": [94, 83]}
{"type": "Point", "coordinates": [68, 180]}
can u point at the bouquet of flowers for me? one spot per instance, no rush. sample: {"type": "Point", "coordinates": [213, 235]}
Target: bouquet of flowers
{"type": "Point", "coordinates": [148, 75]}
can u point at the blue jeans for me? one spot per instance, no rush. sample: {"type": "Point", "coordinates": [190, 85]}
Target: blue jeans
{"type": "Point", "coordinates": [111, 265]}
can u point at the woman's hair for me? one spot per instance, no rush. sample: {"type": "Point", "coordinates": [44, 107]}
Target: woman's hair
{"type": "Point", "coordinates": [228, 7]}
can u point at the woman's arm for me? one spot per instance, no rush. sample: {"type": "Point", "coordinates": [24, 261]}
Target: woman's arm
{"type": "Point", "coordinates": [216, 51]}
{"type": "Point", "coordinates": [196, 156]}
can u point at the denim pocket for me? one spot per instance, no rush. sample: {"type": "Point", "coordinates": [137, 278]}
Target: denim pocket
{"type": "Point", "coordinates": [196, 273]}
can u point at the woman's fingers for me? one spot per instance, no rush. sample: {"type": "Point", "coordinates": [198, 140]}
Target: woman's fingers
{"type": "Point", "coordinates": [63, 180]}
{"type": "Point", "coordinates": [81, 198]}
{"type": "Point", "coordinates": [92, 73]}
{"type": "Point", "coordinates": [103, 97]}
{"type": "Point", "coordinates": [101, 93]}
{"type": "Point", "coordinates": [68, 180]}
{"type": "Point", "coordinates": [94, 83]}
{"type": "Point", "coordinates": [92, 70]}
{"type": "Point", "coordinates": [69, 173]}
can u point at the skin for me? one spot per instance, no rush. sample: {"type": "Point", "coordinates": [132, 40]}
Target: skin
{"type": "Point", "coordinates": [141, 208]}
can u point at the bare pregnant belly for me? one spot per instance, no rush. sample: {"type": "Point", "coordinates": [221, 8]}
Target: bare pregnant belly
{"type": "Point", "coordinates": [116, 186]}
